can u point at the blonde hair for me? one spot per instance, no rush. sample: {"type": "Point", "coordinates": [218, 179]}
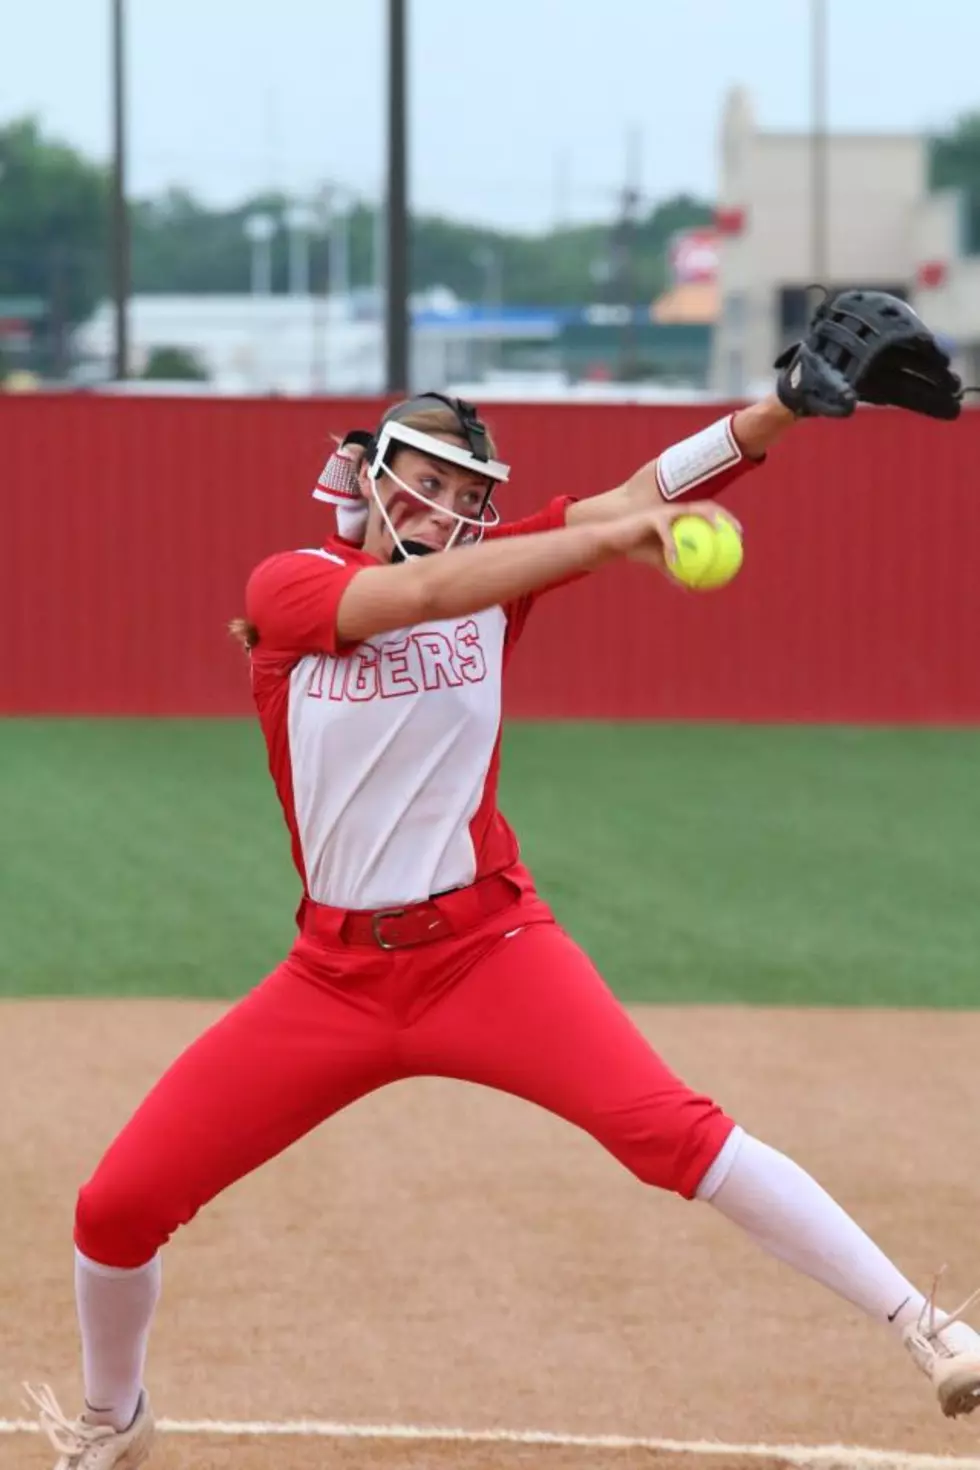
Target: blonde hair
{"type": "Point", "coordinates": [427, 421]}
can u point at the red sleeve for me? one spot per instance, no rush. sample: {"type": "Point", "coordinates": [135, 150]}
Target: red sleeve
{"type": "Point", "coordinates": [292, 600]}
{"type": "Point", "coordinates": [551, 518]}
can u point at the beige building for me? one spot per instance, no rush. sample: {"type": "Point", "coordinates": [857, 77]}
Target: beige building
{"type": "Point", "coordinates": [947, 296]}
{"type": "Point", "coordinates": [880, 228]}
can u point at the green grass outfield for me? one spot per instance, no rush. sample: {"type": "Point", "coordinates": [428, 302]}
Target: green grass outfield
{"type": "Point", "coordinates": [695, 863]}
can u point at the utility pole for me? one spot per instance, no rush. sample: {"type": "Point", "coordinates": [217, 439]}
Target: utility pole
{"type": "Point", "coordinates": [624, 246]}
{"type": "Point", "coordinates": [819, 191]}
{"type": "Point", "coordinates": [120, 256]}
{"type": "Point", "coordinates": [396, 272]}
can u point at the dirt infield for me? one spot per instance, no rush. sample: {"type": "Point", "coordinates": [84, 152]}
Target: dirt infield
{"type": "Point", "coordinates": [440, 1255]}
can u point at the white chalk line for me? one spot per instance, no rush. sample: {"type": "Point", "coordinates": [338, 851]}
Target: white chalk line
{"type": "Point", "coordinates": [794, 1454]}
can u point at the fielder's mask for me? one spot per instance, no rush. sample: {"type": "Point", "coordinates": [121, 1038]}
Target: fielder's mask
{"type": "Point", "coordinates": [472, 454]}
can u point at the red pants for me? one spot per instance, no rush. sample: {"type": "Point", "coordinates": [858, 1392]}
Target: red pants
{"type": "Point", "coordinates": [525, 1013]}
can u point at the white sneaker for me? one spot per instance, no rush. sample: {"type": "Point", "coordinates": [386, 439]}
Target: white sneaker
{"type": "Point", "coordinates": [82, 1445]}
{"type": "Point", "coordinates": [947, 1351]}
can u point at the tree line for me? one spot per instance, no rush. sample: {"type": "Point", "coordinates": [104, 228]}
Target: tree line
{"type": "Point", "coordinates": [54, 242]}
{"type": "Point", "coordinates": [54, 237]}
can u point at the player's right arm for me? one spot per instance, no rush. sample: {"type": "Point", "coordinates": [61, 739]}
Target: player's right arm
{"type": "Point", "coordinates": [301, 602]}
{"type": "Point", "coordinates": [470, 578]}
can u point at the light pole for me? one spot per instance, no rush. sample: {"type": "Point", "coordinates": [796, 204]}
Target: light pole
{"type": "Point", "coordinates": [120, 250]}
{"type": "Point", "coordinates": [333, 207]}
{"type": "Point", "coordinates": [340, 242]}
{"type": "Point", "coordinates": [300, 220]}
{"type": "Point", "coordinates": [260, 228]}
{"type": "Point", "coordinates": [379, 254]}
{"type": "Point", "coordinates": [487, 257]}
{"type": "Point", "coordinates": [323, 208]}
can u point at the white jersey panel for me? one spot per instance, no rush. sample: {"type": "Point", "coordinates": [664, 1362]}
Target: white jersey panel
{"type": "Point", "coordinates": [390, 748]}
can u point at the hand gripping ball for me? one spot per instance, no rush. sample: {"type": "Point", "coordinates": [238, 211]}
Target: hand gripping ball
{"type": "Point", "coordinates": [709, 554]}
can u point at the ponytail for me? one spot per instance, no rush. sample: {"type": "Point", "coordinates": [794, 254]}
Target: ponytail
{"type": "Point", "coordinates": [244, 632]}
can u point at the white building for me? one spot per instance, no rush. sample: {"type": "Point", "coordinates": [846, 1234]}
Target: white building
{"type": "Point", "coordinates": [881, 228]}
{"type": "Point", "coordinates": [298, 345]}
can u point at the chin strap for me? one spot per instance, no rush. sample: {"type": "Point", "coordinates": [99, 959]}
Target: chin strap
{"type": "Point", "coordinates": [404, 549]}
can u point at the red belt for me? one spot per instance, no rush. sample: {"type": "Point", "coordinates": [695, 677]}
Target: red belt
{"type": "Point", "coordinates": [415, 923]}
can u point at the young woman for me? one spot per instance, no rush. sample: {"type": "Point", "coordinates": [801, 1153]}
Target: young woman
{"type": "Point", "coordinates": [423, 947]}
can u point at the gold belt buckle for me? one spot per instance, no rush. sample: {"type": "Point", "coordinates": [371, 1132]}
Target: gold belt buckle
{"type": "Point", "coordinates": [377, 918]}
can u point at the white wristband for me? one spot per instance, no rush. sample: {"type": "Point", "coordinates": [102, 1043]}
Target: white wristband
{"type": "Point", "coordinates": [713, 451]}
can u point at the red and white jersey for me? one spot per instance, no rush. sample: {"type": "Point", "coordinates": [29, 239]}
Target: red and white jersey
{"type": "Point", "coordinates": [384, 755]}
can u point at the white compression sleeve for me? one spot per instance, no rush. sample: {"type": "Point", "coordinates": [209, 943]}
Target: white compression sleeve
{"type": "Point", "coordinates": [115, 1311]}
{"type": "Point", "coordinates": [790, 1216]}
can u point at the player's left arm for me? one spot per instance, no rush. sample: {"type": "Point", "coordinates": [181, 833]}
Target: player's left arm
{"type": "Point", "coordinates": [701, 466]}
{"type": "Point", "coordinates": [860, 346]}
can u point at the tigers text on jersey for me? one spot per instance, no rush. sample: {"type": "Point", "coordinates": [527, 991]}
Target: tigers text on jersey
{"type": "Point", "coordinates": [384, 755]}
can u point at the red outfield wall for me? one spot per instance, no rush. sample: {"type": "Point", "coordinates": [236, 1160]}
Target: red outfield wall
{"type": "Point", "coordinates": [130, 525]}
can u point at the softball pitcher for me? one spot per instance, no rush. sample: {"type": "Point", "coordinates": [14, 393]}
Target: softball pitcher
{"type": "Point", "coordinates": [422, 947]}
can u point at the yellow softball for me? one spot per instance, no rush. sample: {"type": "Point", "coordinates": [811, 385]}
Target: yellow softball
{"type": "Point", "coordinates": [709, 554]}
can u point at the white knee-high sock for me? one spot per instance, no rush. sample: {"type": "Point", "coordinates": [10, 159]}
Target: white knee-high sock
{"type": "Point", "coordinates": [115, 1310]}
{"type": "Point", "coordinates": [791, 1217]}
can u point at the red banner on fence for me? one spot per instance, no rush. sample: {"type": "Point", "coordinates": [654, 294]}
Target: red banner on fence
{"type": "Point", "coordinates": [130, 527]}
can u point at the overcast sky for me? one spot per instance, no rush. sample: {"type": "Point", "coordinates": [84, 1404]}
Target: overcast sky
{"type": "Point", "coordinates": [520, 109]}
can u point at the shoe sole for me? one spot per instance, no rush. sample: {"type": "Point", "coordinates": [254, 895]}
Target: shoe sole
{"type": "Point", "coordinates": [959, 1392]}
{"type": "Point", "coordinates": [137, 1453]}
